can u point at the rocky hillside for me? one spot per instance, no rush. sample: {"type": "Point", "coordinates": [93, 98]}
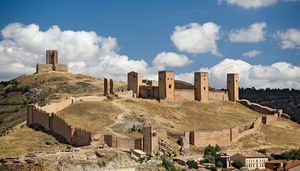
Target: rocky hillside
{"type": "Point", "coordinates": [40, 88]}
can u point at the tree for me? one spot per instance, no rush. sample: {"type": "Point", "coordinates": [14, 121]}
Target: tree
{"type": "Point", "coordinates": [192, 164]}
{"type": "Point", "coordinates": [238, 164]}
{"type": "Point", "coordinates": [262, 150]}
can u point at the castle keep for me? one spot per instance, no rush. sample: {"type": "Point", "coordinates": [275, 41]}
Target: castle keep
{"type": "Point", "coordinates": [168, 88]}
{"type": "Point", "coordinates": [51, 63]}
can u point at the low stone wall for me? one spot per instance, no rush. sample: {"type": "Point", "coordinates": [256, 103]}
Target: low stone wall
{"type": "Point", "coordinates": [258, 108]}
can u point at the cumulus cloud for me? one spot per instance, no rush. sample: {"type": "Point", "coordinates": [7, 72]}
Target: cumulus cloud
{"type": "Point", "coordinates": [290, 38]}
{"type": "Point", "coordinates": [253, 34]}
{"type": "Point", "coordinates": [248, 4]}
{"type": "Point", "coordinates": [277, 75]}
{"type": "Point", "coordinates": [171, 59]}
{"type": "Point", "coordinates": [196, 38]}
{"type": "Point", "coordinates": [86, 52]}
{"type": "Point", "coordinates": [252, 53]}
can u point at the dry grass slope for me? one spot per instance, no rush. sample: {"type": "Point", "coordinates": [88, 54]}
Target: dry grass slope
{"type": "Point", "coordinates": [25, 140]}
{"type": "Point", "coordinates": [166, 115]}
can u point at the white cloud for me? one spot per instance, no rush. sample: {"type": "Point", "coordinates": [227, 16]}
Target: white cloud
{"type": "Point", "coordinates": [277, 75]}
{"type": "Point", "coordinates": [253, 34]}
{"type": "Point", "coordinates": [86, 52]}
{"type": "Point", "coordinates": [252, 53]}
{"type": "Point", "coordinates": [248, 4]}
{"type": "Point", "coordinates": [290, 39]}
{"type": "Point", "coordinates": [196, 38]}
{"type": "Point", "coordinates": [171, 59]}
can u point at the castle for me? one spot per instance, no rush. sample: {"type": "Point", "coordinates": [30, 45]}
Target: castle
{"type": "Point", "coordinates": [170, 89]}
{"type": "Point", "coordinates": [51, 63]}
{"type": "Point", "coordinates": [165, 88]}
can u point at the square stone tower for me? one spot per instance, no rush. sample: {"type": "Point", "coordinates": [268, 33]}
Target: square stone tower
{"type": "Point", "coordinates": [51, 57]}
{"type": "Point", "coordinates": [233, 86]}
{"type": "Point", "coordinates": [134, 81]}
{"type": "Point", "coordinates": [201, 86]}
{"type": "Point", "coordinates": [166, 85]}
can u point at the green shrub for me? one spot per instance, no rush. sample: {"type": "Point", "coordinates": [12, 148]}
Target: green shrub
{"type": "Point", "coordinates": [168, 164]}
{"type": "Point", "coordinates": [213, 168]}
{"type": "Point", "coordinates": [219, 164]}
{"type": "Point", "coordinates": [262, 150]}
{"type": "Point", "coordinates": [192, 164]}
{"type": "Point", "coordinates": [208, 159]}
{"type": "Point", "coordinates": [238, 164]}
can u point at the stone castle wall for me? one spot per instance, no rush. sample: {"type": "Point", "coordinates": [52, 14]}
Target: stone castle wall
{"type": "Point", "coordinates": [81, 137]}
{"type": "Point", "coordinates": [184, 94]}
{"type": "Point", "coordinates": [257, 107]}
{"type": "Point", "coordinates": [43, 68]}
{"type": "Point", "coordinates": [217, 96]}
{"type": "Point", "coordinates": [221, 137]}
{"type": "Point", "coordinates": [61, 67]}
{"type": "Point", "coordinates": [61, 127]}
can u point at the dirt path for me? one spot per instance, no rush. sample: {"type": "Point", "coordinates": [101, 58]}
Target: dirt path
{"type": "Point", "coordinates": [118, 119]}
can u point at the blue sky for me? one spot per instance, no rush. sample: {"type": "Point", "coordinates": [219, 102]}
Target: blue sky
{"type": "Point", "coordinates": [143, 29]}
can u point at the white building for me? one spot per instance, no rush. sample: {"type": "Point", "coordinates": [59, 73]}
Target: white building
{"type": "Point", "coordinates": [252, 160]}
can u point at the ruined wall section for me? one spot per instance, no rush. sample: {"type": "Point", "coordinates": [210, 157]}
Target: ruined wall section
{"type": "Point", "coordinates": [260, 108]}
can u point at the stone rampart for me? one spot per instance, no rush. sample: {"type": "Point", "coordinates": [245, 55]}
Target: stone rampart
{"type": "Point", "coordinates": [41, 117]}
{"type": "Point", "coordinates": [59, 126]}
{"type": "Point", "coordinates": [217, 96]}
{"type": "Point", "coordinates": [81, 137]}
{"type": "Point", "coordinates": [257, 107]}
{"type": "Point", "coordinates": [184, 94]}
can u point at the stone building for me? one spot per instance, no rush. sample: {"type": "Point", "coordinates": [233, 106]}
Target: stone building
{"type": "Point", "coordinates": [51, 63]}
{"type": "Point", "coordinates": [252, 160]}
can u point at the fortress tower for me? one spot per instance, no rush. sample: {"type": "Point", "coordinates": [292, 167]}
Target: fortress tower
{"type": "Point", "coordinates": [233, 86]}
{"type": "Point", "coordinates": [201, 86]}
{"type": "Point", "coordinates": [134, 81]}
{"type": "Point", "coordinates": [166, 85]}
{"type": "Point", "coordinates": [51, 57]}
{"type": "Point", "coordinates": [51, 63]}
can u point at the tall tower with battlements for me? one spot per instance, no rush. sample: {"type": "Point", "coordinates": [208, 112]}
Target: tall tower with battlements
{"type": "Point", "coordinates": [166, 85]}
{"type": "Point", "coordinates": [233, 86]}
{"type": "Point", "coordinates": [201, 86]}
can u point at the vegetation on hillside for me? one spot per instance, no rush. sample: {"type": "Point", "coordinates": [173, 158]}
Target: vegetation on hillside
{"type": "Point", "coordinates": [15, 94]}
{"type": "Point", "coordinates": [286, 99]}
{"type": "Point", "coordinates": [293, 154]}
